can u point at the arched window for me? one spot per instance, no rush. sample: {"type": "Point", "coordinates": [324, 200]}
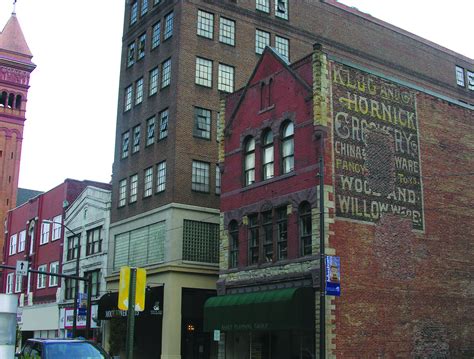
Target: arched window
{"type": "Point", "coordinates": [249, 161]}
{"type": "Point", "coordinates": [3, 99]}
{"type": "Point", "coordinates": [287, 148]}
{"type": "Point", "coordinates": [233, 244]}
{"type": "Point", "coordinates": [11, 99]}
{"type": "Point", "coordinates": [18, 102]}
{"type": "Point", "coordinates": [305, 228]}
{"type": "Point", "coordinates": [267, 154]}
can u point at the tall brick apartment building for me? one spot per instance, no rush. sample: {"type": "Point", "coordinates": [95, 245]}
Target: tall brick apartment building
{"type": "Point", "coordinates": [15, 69]}
{"type": "Point", "coordinates": [178, 58]}
{"type": "Point", "coordinates": [397, 210]}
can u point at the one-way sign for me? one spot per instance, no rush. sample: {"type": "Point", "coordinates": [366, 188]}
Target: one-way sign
{"type": "Point", "coordinates": [21, 268]}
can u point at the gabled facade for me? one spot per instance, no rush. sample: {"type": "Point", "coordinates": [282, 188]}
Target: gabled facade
{"type": "Point", "coordinates": [393, 208]}
{"type": "Point", "coordinates": [15, 70]}
{"type": "Point", "coordinates": [87, 222]}
{"type": "Point", "coordinates": [31, 237]}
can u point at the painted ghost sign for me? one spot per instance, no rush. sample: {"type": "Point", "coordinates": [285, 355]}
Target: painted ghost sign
{"type": "Point", "coordinates": [376, 148]}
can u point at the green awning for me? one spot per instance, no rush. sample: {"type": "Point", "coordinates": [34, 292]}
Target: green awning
{"type": "Point", "coordinates": [281, 309]}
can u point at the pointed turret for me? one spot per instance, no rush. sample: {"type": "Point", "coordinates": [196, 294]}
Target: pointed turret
{"type": "Point", "coordinates": [13, 45]}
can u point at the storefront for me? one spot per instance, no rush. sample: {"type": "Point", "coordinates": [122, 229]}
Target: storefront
{"type": "Point", "coordinates": [273, 324]}
{"type": "Point", "coordinates": [147, 342]}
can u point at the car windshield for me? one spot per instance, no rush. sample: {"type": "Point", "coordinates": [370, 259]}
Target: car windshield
{"type": "Point", "coordinates": [68, 350]}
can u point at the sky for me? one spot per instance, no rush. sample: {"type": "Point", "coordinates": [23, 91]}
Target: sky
{"type": "Point", "coordinates": [76, 45]}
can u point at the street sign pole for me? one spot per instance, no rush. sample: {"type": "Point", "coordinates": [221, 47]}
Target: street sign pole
{"type": "Point", "coordinates": [89, 306]}
{"type": "Point", "coordinates": [131, 313]}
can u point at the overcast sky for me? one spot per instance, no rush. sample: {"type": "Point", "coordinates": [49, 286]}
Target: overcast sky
{"type": "Point", "coordinates": [72, 102]}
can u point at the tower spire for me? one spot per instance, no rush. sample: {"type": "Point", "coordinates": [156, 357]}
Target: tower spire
{"type": "Point", "coordinates": [14, 7]}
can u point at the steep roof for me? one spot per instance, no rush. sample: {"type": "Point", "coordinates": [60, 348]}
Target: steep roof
{"type": "Point", "coordinates": [13, 45]}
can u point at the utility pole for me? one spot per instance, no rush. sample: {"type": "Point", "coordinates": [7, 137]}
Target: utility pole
{"type": "Point", "coordinates": [76, 285]}
{"type": "Point", "coordinates": [322, 260]}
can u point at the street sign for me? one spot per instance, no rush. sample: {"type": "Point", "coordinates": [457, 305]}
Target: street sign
{"type": "Point", "coordinates": [21, 268]}
{"type": "Point", "coordinates": [124, 289]}
{"type": "Point", "coordinates": [333, 276]}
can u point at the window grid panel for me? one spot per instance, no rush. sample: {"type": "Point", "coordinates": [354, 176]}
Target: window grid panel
{"type": "Point", "coordinates": [57, 221]}
{"type": "Point", "coordinates": [460, 76]}
{"type": "Point", "coordinates": [267, 226]}
{"type": "Point", "coordinates": [9, 287]}
{"type": "Point", "coordinates": [282, 239]}
{"type": "Point", "coordinates": [282, 46]}
{"type": "Point", "coordinates": [203, 72]}
{"type": "Point", "coordinates": [139, 91]}
{"type": "Point", "coordinates": [21, 241]}
{"type": "Point", "coordinates": [150, 131]}
{"type": "Point", "coordinates": [148, 182]}
{"type": "Point", "coordinates": [156, 35]}
{"type": "Point", "coordinates": [234, 245]}
{"type": "Point", "coordinates": [136, 139]}
{"type": "Point", "coordinates": [18, 283]}
{"type": "Point", "coordinates": [262, 39]}
{"type": "Point", "coordinates": [94, 241]}
{"type": "Point", "coordinates": [13, 241]}
{"type": "Point", "coordinates": [163, 124]}
{"type": "Point", "coordinates": [281, 9]}
{"type": "Point", "coordinates": [202, 125]}
{"type": "Point", "coordinates": [128, 98]}
{"type": "Point", "coordinates": [131, 54]}
{"type": "Point", "coordinates": [144, 7]}
{"type": "Point", "coordinates": [168, 26]}
{"type": "Point", "coordinates": [53, 268]}
{"type": "Point", "coordinates": [166, 73]}
{"type": "Point", "coordinates": [200, 176]}
{"type": "Point", "coordinates": [470, 80]}
{"type": "Point", "coordinates": [45, 228]}
{"type": "Point", "coordinates": [154, 81]}
{"type": "Point", "coordinates": [218, 180]}
{"type": "Point", "coordinates": [253, 240]}
{"type": "Point", "coordinates": [161, 177]}
{"type": "Point", "coordinates": [263, 5]}
{"type": "Point", "coordinates": [200, 241]}
{"type": "Point", "coordinates": [205, 24]}
{"type": "Point", "coordinates": [125, 143]}
{"type": "Point", "coordinates": [227, 31]}
{"type": "Point", "coordinates": [122, 193]}
{"type": "Point", "coordinates": [134, 13]}
{"type": "Point", "coordinates": [41, 278]}
{"type": "Point", "coordinates": [133, 188]}
{"type": "Point", "coordinates": [226, 78]}
{"type": "Point", "coordinates": [141, 46]}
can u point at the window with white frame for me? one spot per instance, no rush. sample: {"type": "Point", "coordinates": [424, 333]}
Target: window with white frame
{"type": "Point", "coordinates": [9, 286]}
{"type": "Point", "coordinates": [218, 180]}
{"type": "Point", "coordinates": [13, 241]}
{"type": "Point", "coordinates": [18, 283]}
{"type": "Point", "coordinates": [133, 12]}
{"type": "Point", "coordinates": [249, 161]}
{"type": "Point", "coordinates": [168, 31]}
{"type": "Point", "coordinates": [205, 24]}
{"type": "Point", "coordinates": [156, 35]}
{"type": "Point", "coordinates": [148, 182]}
{"type": "Point", "coordinates": [133, 188]}
{"type": "Point", "coordinates": [262, 39]}
{"type": "Point", "coordinates": [263, 5]}
{"type": "Point", "coordinates": [267, 155]}
{"type": "Point", "coordinates": [202, 123]}
{"type": "Point", "coordinates": [139, 91]}
{"type": "Point", "coordinates": [281, 9]}
{"type": "Point", "coordinates": [128, 98]}
{"type": "Point", "coordinates": [226, 78]}
{"type": "Point", "coordinates": [163, 124]}
{"type": "Point", "coordinates": [203, 72]}
{"type": "Point", "coordinates": [136, 139]}
{"type": "Point", "coordinates": [41, 278]}
{"type": "Point", "coordinates": [153, 81]}
{"type": "Point", "coordinates": [165, 73]}
{"type": "Point", "coordinates": [45, 229]}
{"type": "Point", "coordinates": [287, 148]}
{"type": "Point", "coordinates": [144, 7]}
{"type": "Point", "coordinates": [460, 76]}
{"type": "Point", "coordinates": [470, 80]}
{"type": "Point", "coordinates": [227, 31]}
{"type": "Point", "coordinates": [141, 46]}
{"type": "Point", "coordinates": [57, 221]}
{"type": "Point", "coordinates": [161, 176]}
{"type": "Point", "coordinates": [150, 131]}
{"type": "Point", "coordinates": [200, 176]}
{"type": "Point", "coordinates": [122, 193]}
{"type": "Point", "coordinates": [125, 144]}
{"type": "Point", "coordinates": [282, 46]}
{"type": "Point", "coordinates": [131, 54]}
{"type": "Point", "coordinates": [53, 268]}
{"type": "Point", "coordinates": [21, 241]}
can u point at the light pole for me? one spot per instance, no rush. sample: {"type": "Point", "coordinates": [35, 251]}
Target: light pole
{"type": "Point", "coordinates": [76, 282]}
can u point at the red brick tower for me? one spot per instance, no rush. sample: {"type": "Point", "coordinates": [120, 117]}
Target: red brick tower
{"type": "Point", "coordinates": [15, 70]}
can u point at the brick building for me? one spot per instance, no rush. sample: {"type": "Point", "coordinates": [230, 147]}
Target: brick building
{"type": "Point", "coordinates": [30, 236]}
{"type": "Point", "coordinates": [15, 70]}
{"type": "Point", "coordinates": [178, 57]}
{"type": "Point", "coordinates": [396, 189]}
